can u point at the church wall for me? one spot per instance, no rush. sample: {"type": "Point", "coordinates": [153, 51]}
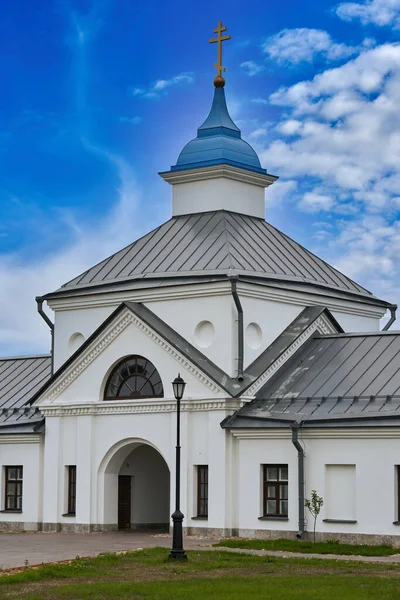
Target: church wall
{"type": "Point", "coordinates": [355, 323]}
{"type": "Point", "coordinates": [29, 455]}
{"type": "Point", "coordinates": [130, 341]}
{"type": "Point", "coordinates": [252, 454]}
{"type": "Point", "coordinates": [70, 322]}
{"type": "Point", "coordinates": [374, 483]}
{"type": "Point", "coordinates": [219, 193]}
{"type": "Point", "coordinates": [357, 479]}
{"type": "Point", "coordinates": [207, 323]}
{"type": "Point", "coordinates": [264, 321]}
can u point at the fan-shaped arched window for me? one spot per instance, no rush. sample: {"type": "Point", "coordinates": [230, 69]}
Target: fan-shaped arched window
{"type": "Point", "coordinates": [134, 377]}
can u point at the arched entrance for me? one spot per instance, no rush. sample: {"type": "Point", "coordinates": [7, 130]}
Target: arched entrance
{"type": "Point", "coordinates": [136, 488]}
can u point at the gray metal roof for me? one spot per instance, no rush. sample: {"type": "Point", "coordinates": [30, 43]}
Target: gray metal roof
{"type": "Point", "coordinates": [214, 244]}
{"type": "Point", "coordinates": [20, 378]}
{"type": "Point", "coordinates": [332, 379]}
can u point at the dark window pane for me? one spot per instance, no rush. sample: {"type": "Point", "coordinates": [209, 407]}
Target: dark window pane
{"type": "Point", "coordinates": [202, 491]}
{"type": "Point", "coordinates": [283, 507]}
{"type": "Point", "coordinates": [134, 378]}
{"type": "Point", "coordinates": [13, 488]}
{"type": "Point", "coordinates": [284, 492]}
{"type": "Point", "coordinates": [283, 474]}
{"type": "Point", "coordinates": [71, 489]}
{"type": "Point", "coordinates": [275, 492]}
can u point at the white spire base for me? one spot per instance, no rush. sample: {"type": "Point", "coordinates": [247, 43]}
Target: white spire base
{"type": "Point", "coordinates": [220, 187]}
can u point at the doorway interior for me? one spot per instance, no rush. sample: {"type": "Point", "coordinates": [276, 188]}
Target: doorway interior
{"type": "Point", "coordinates": [144, 491]}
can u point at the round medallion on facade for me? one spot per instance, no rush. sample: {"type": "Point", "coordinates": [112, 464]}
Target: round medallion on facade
{"type": "Point", "coordinates": [75, 341]}
{"type": "Point", "coordinates": [253, 336]}
{"type": "Point", "coordinates": [204, 334]}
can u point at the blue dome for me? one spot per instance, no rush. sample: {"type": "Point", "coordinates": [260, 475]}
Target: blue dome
{"type": "Point", "coordinates": [218, 141]}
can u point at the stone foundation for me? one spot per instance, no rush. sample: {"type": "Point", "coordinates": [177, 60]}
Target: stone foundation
{"type": "Point", "coordinates": [18, 526]}
{"type": "Point", "coordinates": [78, 528]}
{"type": "Point", "coordinates": [262, 534]}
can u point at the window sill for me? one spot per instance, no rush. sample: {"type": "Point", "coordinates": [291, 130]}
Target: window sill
{"type": "Point", "coordinates": [396, 522]}
{"type": "Point", "coordinates": [11, 510]}
{"type": "Point", "coordinates": [69, 515]}
{"type": "Point", "coordinates": [272, 518]}
{"type": "Point", "coordinates": [348, 521]}
{"type": "Point", "coordinates": [200, 518]}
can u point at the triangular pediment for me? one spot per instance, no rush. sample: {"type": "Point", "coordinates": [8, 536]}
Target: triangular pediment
{"type": "Point", "coordinates": [132, 329]}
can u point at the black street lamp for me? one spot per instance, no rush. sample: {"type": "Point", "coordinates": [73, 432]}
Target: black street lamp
{"type": "Point", "coordinates": [177, 550]}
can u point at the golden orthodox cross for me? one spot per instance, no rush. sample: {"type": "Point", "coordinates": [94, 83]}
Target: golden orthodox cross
{"type": "Point", "coordinates": [221, 38]}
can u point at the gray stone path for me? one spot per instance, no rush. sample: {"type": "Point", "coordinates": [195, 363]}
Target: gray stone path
{"type": "Point", "coordinates": [18, 549]}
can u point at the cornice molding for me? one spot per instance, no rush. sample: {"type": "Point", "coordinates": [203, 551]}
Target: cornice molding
{"type": "Point", "coordinates": [323, 325]}
{"type": "Point", "coordinates": [181, 292]}
{"type": "Point", "coordinates": [226, 171]}
{"type": "Point", "coordinates": [20, 438]}
{"type": "Point", "coordinates": [218, 288]}
{"type": "Point", "coordinates": [367, 433]}
{"type": "Point", "coordinates": [139, 407]}
{"type": "Point", "coordinates": [264, 292]}
{"type": "Point", "coordinates": [105, 339]}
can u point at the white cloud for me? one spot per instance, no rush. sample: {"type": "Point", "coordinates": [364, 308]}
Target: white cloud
{"type": "Point", "coordinates": [314, 202]}
{"type": "Point", "coordinates": [304, 45]}
{"type": "Point", "coordinates": [347, 127]}
{"type": "Point", "coordinates": [289, 127]}
{"type": "Point", "coordinates": [160, 87]}
{"type": "Point", "coordinates": [377, 12]}
{"type": "Point", "coordinates": [280, 192]}
{"type": "Point", "coordinates": [252, 68]}
{"type": "Point", "coordinates": [258, 132]}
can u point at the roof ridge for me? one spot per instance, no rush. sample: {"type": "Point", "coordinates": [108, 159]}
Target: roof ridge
{"type": "Point", "coordinates": [24, 357]}
{"type": "Point", "coordinates": [357, 334]}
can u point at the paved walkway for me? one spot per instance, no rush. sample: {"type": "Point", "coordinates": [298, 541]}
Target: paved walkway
{"type": "Point", "coordinates": [19, 549]}
{"type": "Point", "coordinates": [37, 548]}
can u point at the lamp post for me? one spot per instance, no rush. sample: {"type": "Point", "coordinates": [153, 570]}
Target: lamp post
{"type": "Point", "coordinates": [177, 551]}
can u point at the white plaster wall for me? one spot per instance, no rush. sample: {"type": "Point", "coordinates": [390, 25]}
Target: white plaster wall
{"type": "Point", "coordinates": [375, 501]}
{"type": "Point", "coordinates": [354, 323]}
{"type": "Point", "coordinates": [69, 322]}
{"type": "Point", "coordinates": [120, 438]}
{"type": "Point", "coordinates": [219, 193]}
{"type": "Point", "coordinates": [375, 482]}
{"type": "Point", "coordinates": [184, 315]}
{"type": "Point", "coordinates": [150, 486]}
{"type": "Point", "coordinates": [30, 457]}
{"type": "Point", "coordinates": [271, 316]}
{"type": "Point", "coordinates": [251, 455]}
{"type": "Point", "coordinates": [89, 386]}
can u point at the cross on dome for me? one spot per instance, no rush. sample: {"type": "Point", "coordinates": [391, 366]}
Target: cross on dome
{"type": "Point", "coordinates": [219, 81]}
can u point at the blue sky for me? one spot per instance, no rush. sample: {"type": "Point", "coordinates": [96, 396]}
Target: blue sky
{"type": "Point", "coordinates": [98, 96]}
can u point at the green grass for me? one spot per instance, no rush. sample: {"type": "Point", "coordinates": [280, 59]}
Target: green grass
{"type": "Point", "coordinates": [332, 547]}
{"type": "Point", "coordinates": [207, 574]}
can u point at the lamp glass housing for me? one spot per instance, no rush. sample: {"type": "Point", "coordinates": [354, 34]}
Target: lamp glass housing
{"type": "Point", "coordinates": [178, 385]}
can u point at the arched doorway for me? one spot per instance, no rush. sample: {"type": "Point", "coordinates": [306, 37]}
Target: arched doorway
{"type": "Point", "coordinates": [136, 488]}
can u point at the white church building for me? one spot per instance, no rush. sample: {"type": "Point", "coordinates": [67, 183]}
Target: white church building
{"type": "Point", "coordinates": [291, 384]}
